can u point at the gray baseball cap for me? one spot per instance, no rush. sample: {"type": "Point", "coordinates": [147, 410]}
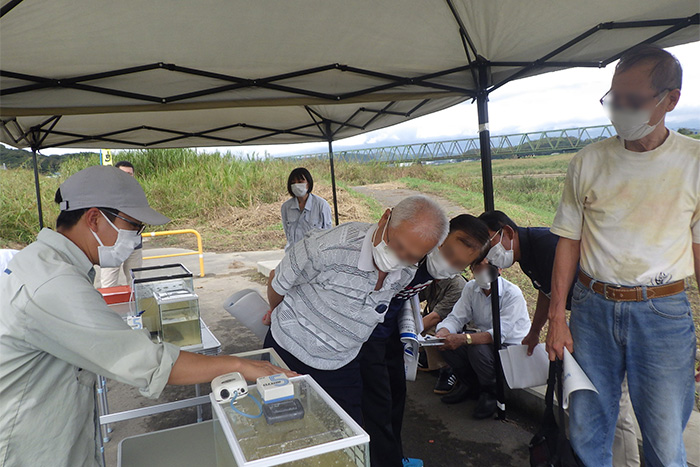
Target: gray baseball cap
{"type": "Point", "coordinates": [104, 186]}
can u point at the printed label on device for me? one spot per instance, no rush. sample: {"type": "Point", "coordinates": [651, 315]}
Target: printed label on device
{"type": "Point", "coordinates": [275, 388]}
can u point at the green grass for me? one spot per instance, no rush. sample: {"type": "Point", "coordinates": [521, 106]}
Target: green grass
{"type": "Point", "coordinates": [196, 190]}
{"type": "Point", "coordinates": [525, 166]}
{"type": "Point", "coordinates": [375, 208]}
{"type": "Point", "coordinates": [531, 200]}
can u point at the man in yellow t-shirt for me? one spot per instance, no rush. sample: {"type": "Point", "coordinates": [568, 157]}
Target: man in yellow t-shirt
{"type": "Point", "coordinates": [630, 216]}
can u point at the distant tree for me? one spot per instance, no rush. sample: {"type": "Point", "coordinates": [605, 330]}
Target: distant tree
{"type": "Point", "coordinates": [686, 131]}
{"type": "Point", "coordinates": [19, 158]}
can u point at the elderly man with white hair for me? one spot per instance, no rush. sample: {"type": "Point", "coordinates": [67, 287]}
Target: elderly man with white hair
{"type": "Point", "coordinates": [334, 286]}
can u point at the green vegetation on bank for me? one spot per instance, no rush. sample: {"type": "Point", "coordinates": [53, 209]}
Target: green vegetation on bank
{"type": "Point", "coordinates": [212, 192]}
{"type": "Point", "coordinates": [217, 193]}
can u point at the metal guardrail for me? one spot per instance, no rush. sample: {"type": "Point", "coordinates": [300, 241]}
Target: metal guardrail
{"type": "Point", "coordinates": [199, 251]}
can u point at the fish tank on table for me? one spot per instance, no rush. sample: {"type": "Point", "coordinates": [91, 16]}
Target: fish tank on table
{"type": "Point", "coordinates": [167, 304]}
{"type": "Point", "coordinates": [325, 435]}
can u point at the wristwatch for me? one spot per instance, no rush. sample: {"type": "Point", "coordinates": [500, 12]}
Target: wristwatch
{"type": "Point", "coordinates": [469, 339]}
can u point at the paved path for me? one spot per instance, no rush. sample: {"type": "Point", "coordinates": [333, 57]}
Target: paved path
{"type": "Point", "coordinates": [389, 195]}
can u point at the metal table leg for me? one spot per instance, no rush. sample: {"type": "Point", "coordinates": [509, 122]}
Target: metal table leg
{"type": "Point", "coordinates": [199, 407]}
{"type": "Point", "coordinates": [103, 406]}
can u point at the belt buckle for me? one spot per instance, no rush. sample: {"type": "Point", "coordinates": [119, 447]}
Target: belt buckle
{"type": "Point", "coordinates": [613, 288]}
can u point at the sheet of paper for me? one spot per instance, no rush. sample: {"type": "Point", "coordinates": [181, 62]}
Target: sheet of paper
{"type": "Point", "coordinates": [574, 378]}
{"type": "Point", "coordinates": [523, 371]}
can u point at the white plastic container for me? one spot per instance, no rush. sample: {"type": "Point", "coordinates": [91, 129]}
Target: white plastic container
{"type": "Point", "coordinates": [325, 437]}
{"type": "Point", "coordinates": [248, 307]}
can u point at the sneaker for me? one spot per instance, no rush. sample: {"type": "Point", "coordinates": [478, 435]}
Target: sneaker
{"type": "Point", "coordinates": [409, 462]}
{"type": "Point", "coordinates": [460, 393]}
{"type": "Point", "coordinates": [446, 381]}
{"type": "Point", "coordinates": [423, 362]}
{"type": "Point", "coordinates": [486, 407]}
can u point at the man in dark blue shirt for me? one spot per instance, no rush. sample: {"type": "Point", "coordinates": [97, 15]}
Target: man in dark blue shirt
{"type": "Point", "coordinates": [533, 249]}
{"type": "Point", "coordinates": [381, 357]}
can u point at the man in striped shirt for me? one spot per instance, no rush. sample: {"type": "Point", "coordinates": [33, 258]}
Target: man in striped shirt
{"type": "Point", "coordinates": [333, 287]}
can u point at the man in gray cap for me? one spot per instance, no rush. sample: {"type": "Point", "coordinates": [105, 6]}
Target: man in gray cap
{"type": "Point", "coordinates": [57, 333]}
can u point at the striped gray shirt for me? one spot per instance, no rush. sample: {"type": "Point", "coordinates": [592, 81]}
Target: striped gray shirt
{"type": "Point", "coordinates": [330, 307]}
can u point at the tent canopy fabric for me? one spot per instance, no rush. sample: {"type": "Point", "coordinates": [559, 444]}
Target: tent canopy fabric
{"type": "Point", "coordinates": [132, 74]}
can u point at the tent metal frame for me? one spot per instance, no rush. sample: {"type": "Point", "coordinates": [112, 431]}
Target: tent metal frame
{"type": "Point", "coordinates": [475, 64]}
{"type": "Point", "coordinates": [479, 67]}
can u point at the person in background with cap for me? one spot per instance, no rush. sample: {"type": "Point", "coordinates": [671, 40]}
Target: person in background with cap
{"type": "Point", "coordinates": [109, 277]}
{"type": "Point", "coordinates": [57, 333]}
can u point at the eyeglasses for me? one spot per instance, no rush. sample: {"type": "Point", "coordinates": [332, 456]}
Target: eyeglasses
{"type": "Point", "coordinates": [139, 226]}
{"type": "Point", "coordinates": [610, 100]}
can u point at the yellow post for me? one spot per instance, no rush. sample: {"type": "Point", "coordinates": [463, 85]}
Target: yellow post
{"type": "Point", "coordinates": [200, 250]}
{"type": "Point", "coordinates": [106, 157]}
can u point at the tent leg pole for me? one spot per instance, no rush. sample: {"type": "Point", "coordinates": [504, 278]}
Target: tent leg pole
{"type": "Point", "coordinates": [330, 159]}
{"type": "Point", "coordinates": [482, 106]}
{"type": "Point", "coordinates": [496, 317]}
{"type": "Point", "coordinates": [38, 189]}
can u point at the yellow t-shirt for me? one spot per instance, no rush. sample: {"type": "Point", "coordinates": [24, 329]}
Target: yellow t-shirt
{"type": "Point", "coordinates": [636, 214]}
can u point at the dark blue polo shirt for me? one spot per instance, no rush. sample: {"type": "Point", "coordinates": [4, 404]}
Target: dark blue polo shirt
{"type": "Point", "coordinates": [537, 248]}
{"type": "Point", "coordinates": [420, 281]}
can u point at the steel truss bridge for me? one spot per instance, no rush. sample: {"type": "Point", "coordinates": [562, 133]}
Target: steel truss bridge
{"type": "Point", "coordinates": [533, 143]}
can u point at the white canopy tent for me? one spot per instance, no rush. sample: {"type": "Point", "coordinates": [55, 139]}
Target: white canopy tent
{"type": "Point", "coordinates": [133, 74]}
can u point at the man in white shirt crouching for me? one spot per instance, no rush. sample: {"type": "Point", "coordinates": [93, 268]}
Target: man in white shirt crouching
{"type": "Point", "coordinates": [470, 354]}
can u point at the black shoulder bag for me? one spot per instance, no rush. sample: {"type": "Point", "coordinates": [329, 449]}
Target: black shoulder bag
{"type": "Point", "coordinates": [550, 447]}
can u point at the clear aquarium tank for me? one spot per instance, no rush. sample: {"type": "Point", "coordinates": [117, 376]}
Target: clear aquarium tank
{"type": "Point", "coordinates": [179, 316]}
{"type": "Point", "coordinates": [326, 436]}
{"type": "Point", "coordinates": [167, 304]}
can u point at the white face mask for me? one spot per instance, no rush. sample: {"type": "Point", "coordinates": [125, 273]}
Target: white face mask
{"type": "Point", "coordinates": [299, 189]}
{"type": "Point", "coordinates": [438, 267]}
{"type": "Point", "coordinates": [633, 125]}
{"type": "Point", "coordinates": [113, 256]}
{"type": "Point", "coordinates": [498, 255]}
{"type": "Point", "coordinates": [384, 257]}
{"type": "Point", "coordinates": [483, 279]}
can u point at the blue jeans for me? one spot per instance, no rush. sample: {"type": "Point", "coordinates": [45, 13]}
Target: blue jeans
{"type": "Point", "coordinates": [653, 341]}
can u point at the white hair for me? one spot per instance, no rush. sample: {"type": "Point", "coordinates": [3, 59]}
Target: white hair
{"type": "Point", "coordinates": [423, 216]}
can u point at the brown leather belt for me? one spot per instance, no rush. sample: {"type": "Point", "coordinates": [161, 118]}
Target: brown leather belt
{"type": "Point", "coordinates": [630, 294]}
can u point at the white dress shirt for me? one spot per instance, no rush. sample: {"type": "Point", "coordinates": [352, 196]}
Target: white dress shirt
{"type": "Point", "coordinates": [475, 306]}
